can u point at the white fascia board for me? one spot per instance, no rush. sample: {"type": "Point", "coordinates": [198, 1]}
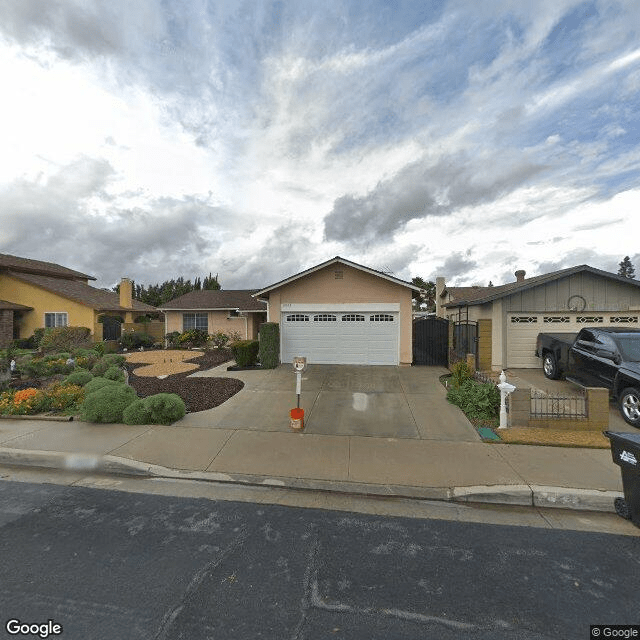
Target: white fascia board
{"type": "Point", "coordinates": [350, 306]}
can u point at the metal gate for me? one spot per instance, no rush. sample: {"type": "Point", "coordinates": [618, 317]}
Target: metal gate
{"type": "Point", "coordinates": [111, 328]}
{"type": "Point", "coordinates": [430, 341]}
{"type": "Point", "coordinates": [465, 340]}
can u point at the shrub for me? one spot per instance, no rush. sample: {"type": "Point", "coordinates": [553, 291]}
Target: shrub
{"type": "Point", "coordinates": [193, 338]}
{"type": "Point", "coordinates": [79, 377]}
{"type": "Point", "coordinates": [220, 339]}
{"type": "Point", "coordinates": [135, 340]}
{"type": "Point", "coordinates": [269, 345]}
{"type": "Point", "coordinates": [98, 383]}
{"type": "Point", "coordinates": [114, 373]}
{"type": "Point", "coordinates": [26, 343]}
{"type": "Point", "coordinates": [245, 352]}
{"type": "Point", "coordinates": [107, 404]}
{"type": "Point", "coordinates": [64, 397]}
{"type": "Point", "coordinates": [98, 347]}
{"type": "Point", "coordinates": [34, 367]}
{"type": "Point", "coordinates": [478, 401]}
{"type": "Point", "coordinates": [64, 338]}
{"type": "Point", "coordinates": [172, 339]}
{"type": "Point", "coordinates": [110, 360]}
{"type": "Point", "coordinates": [460, 373]}
{"type": "Point", "coordinates": [162, 408]}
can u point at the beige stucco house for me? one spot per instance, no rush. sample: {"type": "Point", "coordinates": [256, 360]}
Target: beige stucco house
{"type": "Point", "coordinates": [510, 316]}
{"type": "Point", "coordinates": [340, 312]}
{"type": "Point", "coordinates": [216, 311]}
{"type": "Point", "coordinates": [36, 294]}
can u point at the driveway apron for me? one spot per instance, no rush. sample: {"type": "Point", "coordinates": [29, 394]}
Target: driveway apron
{"type": "Point", "coordinates": [343, 400]}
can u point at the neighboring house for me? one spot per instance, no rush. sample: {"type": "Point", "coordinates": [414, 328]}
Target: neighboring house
{"type": "Point", "coordinates": [340, 312]}
{"type": "Point", "coordinates": [216, 311]}
{"type": "Point", "coordinates": [36, 294]}
{"type": "Point", "coordinates": [509, 317]}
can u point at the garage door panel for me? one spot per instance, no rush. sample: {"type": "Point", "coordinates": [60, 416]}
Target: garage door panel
{"type": "Point", "coordinates": [352, 338]}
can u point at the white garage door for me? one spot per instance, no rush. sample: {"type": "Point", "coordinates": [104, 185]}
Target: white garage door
{"type": "Point", "coordinates": [523, 329]}
{"type": "Point", "coordinates": [341, 337]}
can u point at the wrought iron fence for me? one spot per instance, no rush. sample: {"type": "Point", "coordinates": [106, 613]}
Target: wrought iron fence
{"type": "Point", "coordinates": [557, 405]}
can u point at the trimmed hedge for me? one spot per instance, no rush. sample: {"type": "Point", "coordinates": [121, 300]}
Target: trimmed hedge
{"type": "Point", "coordinates": [269, 350]}
{"type": "Point", "coordinates": [162, 408]}
{"type": "Point", "coordinates": [107, 404]}
{"type": "Point", "coordinates": [245, 352]}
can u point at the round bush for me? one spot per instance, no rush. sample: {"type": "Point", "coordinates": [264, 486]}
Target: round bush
{"type": "Point", "coordinates": [114, 359]}
{"type": "Point", "coordinates": [98, 383]}
{"type": "Point", "coordinates": [110, 360]}
{"type": "Point", "coordinates": [79, 377]}
{"type": "Point", "coordinates": [114, 373]}
{"type": "Point", "coordinates": [136, 413]}
{"type": "Point", "coordinates": [107, 404]}
{"type": "Point", "coordinates": [165, 408]}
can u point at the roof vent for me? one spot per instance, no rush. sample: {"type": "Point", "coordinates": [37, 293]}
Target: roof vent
{"type": "Point", "coordinates": [520, 274]}
{"type": "Point", "coordinates": [338, 275]}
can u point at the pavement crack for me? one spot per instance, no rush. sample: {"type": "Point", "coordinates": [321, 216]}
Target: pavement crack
{"type": "Point", "coordinates": [169, 618]}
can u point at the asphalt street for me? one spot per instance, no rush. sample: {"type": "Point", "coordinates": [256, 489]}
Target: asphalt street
{"type": "Point", "coordinates": [113, 564]}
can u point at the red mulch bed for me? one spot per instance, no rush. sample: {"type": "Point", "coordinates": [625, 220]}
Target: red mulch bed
{"type": "Point", "coordinates": [198, 394]}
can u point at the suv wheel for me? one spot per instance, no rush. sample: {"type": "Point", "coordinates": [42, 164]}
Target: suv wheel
{"type": "Point", "coordinates": [549, 366]}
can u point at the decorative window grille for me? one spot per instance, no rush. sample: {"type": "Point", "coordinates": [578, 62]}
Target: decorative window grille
{"type": "Point", "coordinates": [353, 317]}
{"type": "Point", "coordinates": [297, 317]}
{"type": "Point", "coordinates": [624, 319]}
{"type": "Point", "coordinates": [195, 321]}
{"type": "Point", "coordinates": [56, 320]}
{"type": "Point", "coordinates": [524, 319]}
{"type": "Point", "coordinates": [324, 317]}
{"type": "Point", "coordinates": [590, 319]}
{"type": "Point", "coordinates": [381, 317]}
{"type": "Point", "coordinates": [555, 319]}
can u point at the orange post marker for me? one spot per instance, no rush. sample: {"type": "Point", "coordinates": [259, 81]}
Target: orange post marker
{"type": "Point", "coordinates": [297, 419]}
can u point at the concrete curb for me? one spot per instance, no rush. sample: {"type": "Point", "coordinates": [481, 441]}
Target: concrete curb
{"type": "Point", "coordinates": [522, 495]}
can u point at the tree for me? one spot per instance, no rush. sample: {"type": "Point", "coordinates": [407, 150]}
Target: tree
{"type": "Point", "coordinates": [427, 298]}
{"type": "Point", "coordinates": [626, 269]}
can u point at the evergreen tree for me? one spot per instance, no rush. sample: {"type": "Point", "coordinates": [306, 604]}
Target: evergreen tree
{"type": "Point", "coordinates": [428, 297]}
{"type": "Point", "coordinates": [626, 268]}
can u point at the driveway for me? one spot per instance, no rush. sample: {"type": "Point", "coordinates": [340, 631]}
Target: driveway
{"type": "Point", "coordinates": [380, 401]}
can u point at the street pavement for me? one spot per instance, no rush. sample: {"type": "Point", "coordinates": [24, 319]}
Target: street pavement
{"type": "Point", "coordinates": [433, 453]}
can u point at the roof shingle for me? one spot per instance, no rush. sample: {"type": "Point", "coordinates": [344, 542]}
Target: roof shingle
{"type": "Point", "coordinates": [240, 299]}
{"type": "Point", "coordinates": [26, 265]}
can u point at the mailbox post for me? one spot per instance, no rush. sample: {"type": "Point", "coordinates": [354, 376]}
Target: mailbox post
{"type": "Point", "coordinates": [297, 414]}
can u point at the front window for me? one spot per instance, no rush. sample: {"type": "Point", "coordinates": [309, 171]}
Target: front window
{"type": "Point", "coordinates": [195, 321]}
{"type": "Point", "coordinates": [57, 319]}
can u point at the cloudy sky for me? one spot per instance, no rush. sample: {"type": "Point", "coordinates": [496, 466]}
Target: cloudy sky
{"type": "Point", "coordinates": [160, 138]}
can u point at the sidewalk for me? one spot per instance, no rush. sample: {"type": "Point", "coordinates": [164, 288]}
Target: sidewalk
{"type": "Point", "coordinates": [581, 479]}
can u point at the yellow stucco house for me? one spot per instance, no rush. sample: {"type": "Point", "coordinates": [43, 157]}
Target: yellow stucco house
{"type": "Point", "coordinates": [36, 294]}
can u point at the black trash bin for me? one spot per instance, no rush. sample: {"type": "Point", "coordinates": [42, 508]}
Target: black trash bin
{"type": "Point", "coordinates": [625, 450]}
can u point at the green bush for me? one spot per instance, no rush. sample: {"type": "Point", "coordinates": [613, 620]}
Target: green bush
{"type": "Point", "coordinates": [269, 345]}
{"type": "Point", "coordinates": [478, 401]}
{"type": "Point", "coordinates": [110, 360]}
{"type": "Point", "coordinates": [114, 373]}
{"type": "Point", "coordinates": [64, 339]}
{"type": "Point", "coordinates": [193, 338]}
{"type": "Point", "coordinates": [107, 404]}
{"type": "Point", "coordinates": [220, 339]}
{"type": "Point", "coordinates": [57, 356]}
{"type": "Point", "coordinates": [162, 408]}
{"type": "Point", "coordinates": [98, 383]}
{"type": "Point", "coordinates": [98, 347]}
{"type": "Point", "coordinates": [460, 373]}
{"type": "Point", "coordinates": [135, 340]}
{"type": "Point", "coordinates": [245, 352]}
{"type": "Point", "coordinates": [79, 377]}
{"type": "Point", "coordinates": [172, 339]}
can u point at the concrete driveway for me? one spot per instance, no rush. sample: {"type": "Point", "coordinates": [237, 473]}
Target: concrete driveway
{"type": "Point", "coordinates": [380, 401]}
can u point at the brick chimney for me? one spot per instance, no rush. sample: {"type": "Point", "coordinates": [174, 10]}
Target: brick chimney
{"type": "Point", "coordinates": [520, 274]}
{"type": "Point", "coordinates": [126, 293]}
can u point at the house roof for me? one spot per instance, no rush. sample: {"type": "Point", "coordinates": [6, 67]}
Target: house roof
{"type": "Point", "coordinates": [79, 291]}
{"type": "Point", "coordinates": [336, 260]}
{"type": "Point", "coordinates": [215, 300]}
{"type": "Point", "coordinates": [12, 306]}
{"type": "Point", "coordinates": [26, 265]}
{"type": "Point", "coordinates": [469, 296]}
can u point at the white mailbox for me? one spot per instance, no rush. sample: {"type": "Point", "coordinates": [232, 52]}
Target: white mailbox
{"type": "Point", "coordinates": [299, 364]}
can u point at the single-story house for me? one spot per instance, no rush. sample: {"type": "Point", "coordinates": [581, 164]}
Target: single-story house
{"type": "Point", "coordinates": [510, 316]}
{"type": "Point", "coordinates": [340, 312]}
{"type": "Point", "coordinates": [216, 311]}
{"type": "Point", "coordinates": [36, 294]}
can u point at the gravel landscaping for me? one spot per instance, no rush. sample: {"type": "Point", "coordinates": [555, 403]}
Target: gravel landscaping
{"type": "Point", "coordinates": [198, 394]}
